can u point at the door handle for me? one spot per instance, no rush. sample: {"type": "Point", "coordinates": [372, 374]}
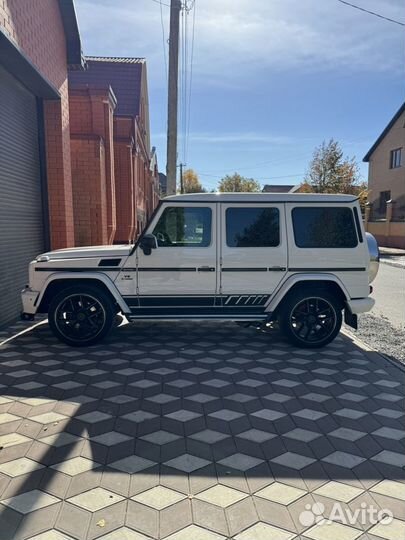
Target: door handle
{"type": "Point", "coordinates": [206, 269]}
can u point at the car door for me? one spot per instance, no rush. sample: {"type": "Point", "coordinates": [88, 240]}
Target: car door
{"type": "Point", "coordinates": [178, 278]}
{"type": "Point", "coordinates": [253, 254]}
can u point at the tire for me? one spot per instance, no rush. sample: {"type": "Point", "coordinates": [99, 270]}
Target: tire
{"type": "Point", "coordinates": [81, 315]}
{"type": "Point", "coordinates": [311, 318]}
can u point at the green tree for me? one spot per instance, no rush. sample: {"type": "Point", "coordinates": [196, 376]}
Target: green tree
{"type": "Point", "coordinates": [191, 182]}
{"type": "Point", "coordinates": [238, 183]}
{"type": "Point", "coordinates": [331, 172]}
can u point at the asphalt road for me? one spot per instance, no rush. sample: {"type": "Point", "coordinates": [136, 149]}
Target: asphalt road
{"type": "Point", "coordinates": [389, 294]}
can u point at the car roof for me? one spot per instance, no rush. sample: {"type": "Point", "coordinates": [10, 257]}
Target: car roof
{"type": "Point", "coordinates": [261, 197]}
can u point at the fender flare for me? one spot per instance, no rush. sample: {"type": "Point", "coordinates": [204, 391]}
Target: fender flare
{"type": "Point", "coordinates": [288, 283]}
{"type": "Point", "coordinates": [102, 278]}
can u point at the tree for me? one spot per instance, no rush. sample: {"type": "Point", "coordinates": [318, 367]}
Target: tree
{"type": "Point", "coordinates": [331, 172]}
{"type": "Point", "coordinates": [238, 183]}
{"type": "Point", "coordinates": [191, 183]}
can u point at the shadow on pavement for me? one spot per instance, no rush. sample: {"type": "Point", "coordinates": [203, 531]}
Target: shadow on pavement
{"type": "Point", "coordinates": [188, 406]}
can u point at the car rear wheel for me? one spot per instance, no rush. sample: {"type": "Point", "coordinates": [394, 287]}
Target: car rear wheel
{"type": "Point", "coordinates": [310, 319]}
{"type": "Point", "coordinates": [81, 315]}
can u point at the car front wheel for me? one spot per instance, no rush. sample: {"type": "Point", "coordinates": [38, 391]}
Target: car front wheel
{"type": "Point", "coordinates": [81, 315]}
{"type": "Point", "coordinates": [310, 319]}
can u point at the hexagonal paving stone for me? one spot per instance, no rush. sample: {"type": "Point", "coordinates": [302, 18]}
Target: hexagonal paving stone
{"type": "Point", "coordinates": [30, 501]}
{"type": "Point", "coordinates": [242, 462]}
{"type": "Point", "coordinates": [222, 496]}
{"type": "Point", "coordinates": [132, 464]}
{"type": "Point", "coordinates": [75, 466]}
{"type": "Point", "coordinates": [95, 499]}
{"type": "Point", "coordinates": [159, 497]}
{"type": "Point", "coordinates": [281, 493]}
{"type": "Point", "coordinates": [264, 531]}
{"type": "Point", "coordinates": [195, 533]}
{"type": "Point", "coordinates": [123, 533]}
{"type": "Point", "coordinates": [187, 463]}
{"type": "Point", "coordinates": [332, 531]}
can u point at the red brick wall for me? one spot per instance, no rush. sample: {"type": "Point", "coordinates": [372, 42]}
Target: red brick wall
{"type": "Point", "coordinates": [102, 115]}
{"type": "Point", "coordinates": [91, 114]}
{"type": "Point", "coordinates": [124, 179]}
{"type": "Point", "coordinates": [89, 190]}
{"type": "Point", "coordinates": [36, 27]}
{"type": "Point", "coordinates": [125, 195]}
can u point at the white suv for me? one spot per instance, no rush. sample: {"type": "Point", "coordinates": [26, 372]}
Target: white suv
{"type": "Point", "coordinates": [297, 259]}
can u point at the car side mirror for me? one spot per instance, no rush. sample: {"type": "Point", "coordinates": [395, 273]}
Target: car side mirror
{"type": "Point", "coordinates": [148, 242]}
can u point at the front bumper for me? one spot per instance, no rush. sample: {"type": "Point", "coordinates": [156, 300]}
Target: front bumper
{"type": "Point", "coordinates": [29, 299]}
{"type": "Point", "coordinates": [360, 305]}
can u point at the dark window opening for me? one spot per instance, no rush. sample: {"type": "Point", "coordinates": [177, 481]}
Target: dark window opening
{"type": "Point", "coordinates": [327, 227]}
{"type": "Point", "coordinates": [396, 158]}
{"type": "Point", "coordinates": [385, 196]}
{"type": "Point", "coordinates": [252, 227]}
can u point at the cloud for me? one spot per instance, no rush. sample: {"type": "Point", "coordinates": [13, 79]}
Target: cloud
{"type": "Point", "coordinates": [235, 138]}
{"type": "Point", "coordinates": [239, 39]}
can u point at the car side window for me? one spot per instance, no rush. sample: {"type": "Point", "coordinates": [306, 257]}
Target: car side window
{"type": "Point", "coordinates": [252, 227]}
{"type": "Point", "coordinates": [182, 226]}
{"type": "Point", "coordinates": [324, 227]}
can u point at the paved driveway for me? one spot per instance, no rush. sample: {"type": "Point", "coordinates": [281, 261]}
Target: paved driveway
{"type": "Point", "coordinates": [199, 431]}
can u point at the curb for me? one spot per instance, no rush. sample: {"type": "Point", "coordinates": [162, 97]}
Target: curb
{"type": "Point", "coordinates": [368, 349]}
{"type": "Point", "coordinates": [392, 263]}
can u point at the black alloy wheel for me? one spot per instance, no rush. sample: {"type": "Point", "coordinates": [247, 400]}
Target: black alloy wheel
{"type": "Point", "coordinates": [311, 320]}
{"type": "Point", "coordinates": [81, 315]}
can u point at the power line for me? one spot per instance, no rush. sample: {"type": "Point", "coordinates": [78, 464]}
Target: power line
{"type": "Point", "coordinates": [371, 12]}
{"type": "Point", "coordinates": [161, 3]}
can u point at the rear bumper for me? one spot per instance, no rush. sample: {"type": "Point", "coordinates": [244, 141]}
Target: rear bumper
{"type": "Point", "coordinates": [360, 305]}
{"type": "Point", "coordinates": [29, 298]}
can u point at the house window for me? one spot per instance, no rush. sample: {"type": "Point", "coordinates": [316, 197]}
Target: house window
{"type": "Point", "coordinates": [396, 158]}
{"type": "Point", "coordinates": [384, 197]}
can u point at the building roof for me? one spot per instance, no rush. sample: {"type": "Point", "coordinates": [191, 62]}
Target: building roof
{"type": "Point", "coordinates": [261, 197]}
{"type": "Point", "coordinates": [279, 188]}
{"type": "Point", "coordinates": [72, 35]}
{"type": "Point", "coordinates": [384, 133]}
{"type": "Point", "coordinates": [124, 75]}
{"type": "Point", "coordinates": [117, 59]}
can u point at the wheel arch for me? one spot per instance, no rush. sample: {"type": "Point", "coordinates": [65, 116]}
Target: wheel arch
{"type": "Point", "coordinates": [328, 282]}
{"type": "Point", "coordinates": [57, 282]}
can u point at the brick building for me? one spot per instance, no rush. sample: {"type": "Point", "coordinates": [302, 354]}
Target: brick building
{"type": "Point", "coordinates": [62, 181]}
{"type": "Point", "coordinates": [110, 125]}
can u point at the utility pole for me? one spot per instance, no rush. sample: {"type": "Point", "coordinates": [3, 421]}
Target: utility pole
{"type": "Point", "coordinates": [181, 178]}
{"type": "Point", "coordinates": [175, 7]}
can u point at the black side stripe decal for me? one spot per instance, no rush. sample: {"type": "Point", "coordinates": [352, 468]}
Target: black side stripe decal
{"type": "Point", "coordinates": [78, 269]}
{"type": "Point", "coordinates": [356, 269]}
{"type": "Point", "coordinates": [244, 269]}
{"type": "Point", "coordinates": [167, 269]}
{"type": "Point", "coordinates": [188, 269]}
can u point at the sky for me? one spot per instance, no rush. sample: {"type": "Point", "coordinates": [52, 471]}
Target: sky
{"type": "Point", "coordinates": [271, 79]}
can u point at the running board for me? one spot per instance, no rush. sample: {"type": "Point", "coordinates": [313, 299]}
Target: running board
{"type": "Point", "coordinates": [261, 317]}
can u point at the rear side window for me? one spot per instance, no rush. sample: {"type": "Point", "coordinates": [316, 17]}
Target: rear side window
{"type": "Point", "coordinates": [252, 227]}
{"type": "Point", "coordinates": [327, 227]}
